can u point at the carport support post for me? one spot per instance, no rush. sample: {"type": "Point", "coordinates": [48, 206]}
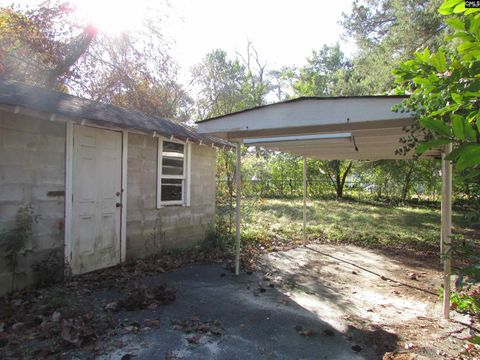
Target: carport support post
{"type": "Point", "coordinates": [446, 229]}
{"type": "Point", "coordinates": [304, 200]}
{"type": "Point", "coordinates": [237, 209]}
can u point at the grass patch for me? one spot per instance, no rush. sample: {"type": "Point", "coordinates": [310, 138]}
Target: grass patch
{"type": "Point", "coordinates": [345, 221]}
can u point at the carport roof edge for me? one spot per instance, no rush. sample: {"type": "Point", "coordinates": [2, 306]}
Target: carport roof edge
{"type": "Point", "coordinates": [302, 98]}
{"type": "Point", "coordinates": [376, 131]}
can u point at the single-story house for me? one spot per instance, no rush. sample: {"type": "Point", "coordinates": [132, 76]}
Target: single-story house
{"type": "Point", "coordinates": [107, 184]}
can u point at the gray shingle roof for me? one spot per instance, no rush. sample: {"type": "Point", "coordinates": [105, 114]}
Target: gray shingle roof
{"type": "Point", "coordinates": [35, 98]}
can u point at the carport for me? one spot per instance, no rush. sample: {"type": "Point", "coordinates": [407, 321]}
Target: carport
{"type": "Point", "coordinates": [334, 128]}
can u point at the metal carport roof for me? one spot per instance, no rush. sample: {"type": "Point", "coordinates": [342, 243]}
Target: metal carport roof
{"type": "Point", "coordinates": [353, 128]}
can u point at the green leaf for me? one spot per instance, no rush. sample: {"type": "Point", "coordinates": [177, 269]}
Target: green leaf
{"type": "Point", "coordinates": [457, 97]}
{"type": "Point", "coordinates": [437, 126]}
{"type": "Point", "coordinates": [447, 7]}
{"type": "Point", "coordinates": [432, 144]}
{"type": "Point", "coordinates": [444, 110]}
{"type": "Point", "coordinates": [472, 174]}
{"type": "Point", "coordinates": [458, 126]}
{"type": "Point", "coordinates": [439, 62]}
{"type": "Point", "coordinates": [423, 57]}
{"type": "Point", "coordinates": [470, 132]}
{"type": "Point", "coordinates": [453, 156]}
{"type": "Point", "coordinates": [460, 35]}
{"type": "Point", "coordinates": [467, 46]}
{"type": "Point", "coordinates": [474, 24]}
{"type": "Point", "coordinates": [468, 157]}
{"type": "Point", "coordinates": [455, 23]}
{"type": "Point", "coordinates": [471, 11]}
{"type": "Point", "coordinates": [459, 8]}
{"type": "Point", "coordinates": [421, 81]}
{"type": "Point", "coordinates": [474, 340]}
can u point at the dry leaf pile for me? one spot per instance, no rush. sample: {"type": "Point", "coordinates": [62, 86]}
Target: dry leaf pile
{"type": "Point", "coordinates": [196, 329]}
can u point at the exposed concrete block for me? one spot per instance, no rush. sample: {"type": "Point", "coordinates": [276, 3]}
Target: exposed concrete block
{"type": "Point", "coordinates": [136, 140]}
{"type": "Point", "coordinates": [11, 193]}
{"type": "Point", "coordinates": [38, 158]}
{"type": "Point", "coordinates": [8, 211]}
{"type": "Point", "coordinates": [16, 174]}
{"type": "Point", "coordinates": [32, 162]}
{"type": "Point", "coordinates": [56, 129]}
{"type": "Point", "coordinates": [48, 242]}
{"type": "Point", "coordinates": [43, 193]}
{"type": "Point", "coordinates": [55, 144]}
{"type": "Point", "coordinates": [53, 175]}
{"type": "Point", "coordinates": [14, 139]}
{"type": "Point", "coordinates": [171, 226]}
{"type": "Point", "coordinates": [47, 209]}
{"type": "Point", "coordinates": [19, 122]}
{"type": "Point", "coordinates": [12, 157]}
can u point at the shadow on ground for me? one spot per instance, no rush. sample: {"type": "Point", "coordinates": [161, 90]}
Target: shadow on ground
{"type": "Point", "coordinates": [258, 321]}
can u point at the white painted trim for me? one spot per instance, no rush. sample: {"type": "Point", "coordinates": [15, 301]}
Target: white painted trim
{"type": "Point", "coordinates": [68, 192]}
{"type": "Point", "coordinates": [188, 186]}
{"type": "Point", "coordinates": [304, 200]}
{"type": "Point", "coordinates": [185, 177]}
{"type": "Point", "coordinates": [159, 172]}
{"type": "Point", "coordinates": [123, 229]}
{"type": "Point", "coordinates": [238, 179]}
{"type": "Point", "coordinates": [298, 138]}
{"type": "Point", "coordinates": [171, 203]}
{"type": "Point", "coordinates": [446, 228]}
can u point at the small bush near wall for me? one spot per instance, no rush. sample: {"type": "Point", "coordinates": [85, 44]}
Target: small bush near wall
{"type": "Point", "coordinates": [50, 270]}
{"type": "Point", "coordinates": [14, 242]}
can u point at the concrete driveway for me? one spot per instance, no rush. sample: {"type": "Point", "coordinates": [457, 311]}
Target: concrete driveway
{"type": "Point", "coordinates": [258, 322]}
{"type": "Point", "coordinates": [314, 302]}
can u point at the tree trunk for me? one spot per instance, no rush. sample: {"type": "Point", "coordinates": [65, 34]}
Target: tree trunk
{"type": "Point", "coordinates": [406, 184]}
{"type": "Point", "coordinates": [340, 179]}
{"type": "Point", "coordinates": [74, 51]}
{"type": "Point", "coordinates": [338, 185]}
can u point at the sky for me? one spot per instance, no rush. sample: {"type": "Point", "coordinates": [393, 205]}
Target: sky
{"type": "Point", "coordinates": [284, 32]}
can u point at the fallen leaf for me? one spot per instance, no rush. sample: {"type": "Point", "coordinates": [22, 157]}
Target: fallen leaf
{"type": "Point", "coordinates": [356, 348]}
{"type": "Point", "coordinates": [152, 323]}
{"type": "Point", "coordinates": [111, 306]}
{"type": "Point", "coordinates": [412, 276]}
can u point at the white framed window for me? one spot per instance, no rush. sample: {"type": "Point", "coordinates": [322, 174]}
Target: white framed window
{"type": "Point", "coordinates": [173, 173]}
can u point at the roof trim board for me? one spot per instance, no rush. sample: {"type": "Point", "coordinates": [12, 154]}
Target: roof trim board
{"type": "Point", "coordinates": [302, 98]}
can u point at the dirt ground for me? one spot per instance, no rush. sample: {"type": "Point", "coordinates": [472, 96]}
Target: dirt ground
{"type": "Point", "coordinates": [390, 301]}
{"type": "Point", "coordinates": [314, 302]}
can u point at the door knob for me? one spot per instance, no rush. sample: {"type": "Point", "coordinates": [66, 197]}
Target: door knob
{"type": "Point", "coordinates": [118, 205]}
{"type": "Point", "coordinates": [117, 193]}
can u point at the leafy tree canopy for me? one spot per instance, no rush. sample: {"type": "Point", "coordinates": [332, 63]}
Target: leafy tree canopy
{"type": "Point", "coordinates": [444, 88]}
{"type": "Point", "coordinates": [387, 32]}
{"type": "Point", "coordinates": [48, 46]}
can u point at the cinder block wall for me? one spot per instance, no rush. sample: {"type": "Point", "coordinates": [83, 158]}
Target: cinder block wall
{"type": "Point", "coordinates": [151, 230]}
{"type": "Point", "coordinates": [32, 171]}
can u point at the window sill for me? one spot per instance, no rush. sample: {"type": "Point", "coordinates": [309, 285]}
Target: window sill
{"type": "Point", "coordinates": [165, 205]}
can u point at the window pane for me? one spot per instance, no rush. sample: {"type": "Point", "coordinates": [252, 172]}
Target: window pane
{"type": "Point", "coordinates": [172, 158]}
{"type": "Point", "coordinates": [172, 189]}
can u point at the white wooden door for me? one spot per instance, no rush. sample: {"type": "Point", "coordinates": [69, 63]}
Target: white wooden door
{"type": "Point", "coordinates": [96, 190]}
